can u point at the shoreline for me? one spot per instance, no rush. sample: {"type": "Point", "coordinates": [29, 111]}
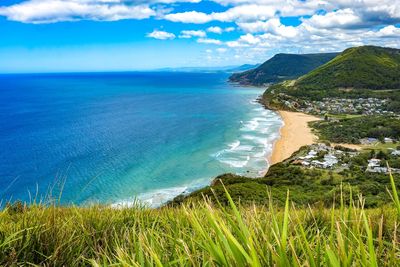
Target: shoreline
{"type": "Point", "coordinates": [294, 134]}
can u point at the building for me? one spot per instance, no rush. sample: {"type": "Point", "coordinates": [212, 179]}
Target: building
{"type": "Point", "coordinates": [395, 152]}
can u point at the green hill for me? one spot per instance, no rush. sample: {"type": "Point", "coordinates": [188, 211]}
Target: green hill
{"type": "Point", "coordinates": [366, 67]}
{"type": "Point", "coordinates": [282, 67]}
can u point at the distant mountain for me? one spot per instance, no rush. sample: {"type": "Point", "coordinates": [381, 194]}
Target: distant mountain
{"type": "Point", "coordinates": [244, 67]}
{"type": "Point", "coordinates": [229, 69]}
{"type": "Point", "coordinates": [367, 67]}
{"type": "Point", "coordinates": [282, 67]}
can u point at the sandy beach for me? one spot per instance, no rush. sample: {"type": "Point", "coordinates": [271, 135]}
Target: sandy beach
{"type": "Point", "coordinates": [294, 134]}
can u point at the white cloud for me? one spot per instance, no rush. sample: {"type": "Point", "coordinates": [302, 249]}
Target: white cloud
{"type": "Point", "coordinates": [273, 26]}
{"type": "Point", "coordinates": [245, 13]}
{"type": "Point", "coordinates": [238, 13]}
{"type": "Point", "coordinates": [50, 11]}
{"type": "Point", "coordinates": [390, 31]}
{"type": "Point", "coordinates": [345, 18]}
{"type": "Point", "coordinates": [209, 41]}
{"type": "Point", "coordinates": [235, 44]}
{"type": "Point", "coordinates": [326, 25]}
{"type": "Point", "coordinates": [285, 7]}
{"type": "Point", "coordinates": [215, 29]}
{"type": "Point", "coordinates": [192, 33]}
{"type": "Point", "coordinates": [161, 35]}
{"type": "Point", "coordinates": [219, 30]}
{"type": "Point", "coordinates": [189, 17]}
{"type": "Point", "coordinates": [387, 32]}
{"type": "Point", "coordinates": [249, 38]}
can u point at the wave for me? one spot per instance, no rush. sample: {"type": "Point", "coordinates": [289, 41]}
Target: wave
{"type": "Point", "coordinates": [152, 199]}
{"type": "Point", "coordinates": [234, 145]}
{"type": "Point", "coordinates": [236, 163]}
{"type": "Point", "coordinates": [248, 154]}
{"type": "Point", "coordinates": [158, 197]}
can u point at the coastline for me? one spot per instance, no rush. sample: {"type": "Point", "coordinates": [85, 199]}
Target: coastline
{"type": "Point", "coordinates": [294, 134]}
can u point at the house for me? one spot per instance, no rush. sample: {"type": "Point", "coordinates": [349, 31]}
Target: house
{"type": "Point", "coordinates": [305, 163]}
{"type": "Point", "coordinates": [311, 155]}
{"type": "Point", "coordinates": [388, 140]}
{"type": "Point", "coordinates": [395, 152]}
{"type": "Point", "coordinates": [378, 170]}
{"type": "Point", "coordinates": [318, 164]}
{"type": "Point", "coordinates": [329, 161]}
{"type": "Point", "coordinates": [373, 163]}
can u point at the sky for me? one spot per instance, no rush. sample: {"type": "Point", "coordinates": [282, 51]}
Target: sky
{"type": "Point", "coordinates": [123, 35]}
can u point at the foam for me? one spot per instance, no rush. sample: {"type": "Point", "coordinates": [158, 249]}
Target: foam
{"type": "Point", "coordinates": [235, 163]}
{"type": "Point", "coordinates": [248, 154]}
{"type": "Point", "coordinates": [157, 198]}
{"type": "Point", "coordinates": [251, 125]}
{"type": "Point", "coordinates": [234, 145]}
{"type": "Point", "coordinates": [152, 199]}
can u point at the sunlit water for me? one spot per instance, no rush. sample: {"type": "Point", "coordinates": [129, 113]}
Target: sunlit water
{"type": "Point", "coordinates": [115, 137]}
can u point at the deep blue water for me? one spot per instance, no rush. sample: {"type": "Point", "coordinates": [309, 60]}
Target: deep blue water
{"type": "Point", "coordinates": [112, 137]}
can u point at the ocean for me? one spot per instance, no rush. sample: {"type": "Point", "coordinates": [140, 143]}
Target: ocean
{"type": "Point", "coordinates": [114, 138]}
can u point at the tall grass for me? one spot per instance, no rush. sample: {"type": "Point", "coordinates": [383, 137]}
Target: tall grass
{"type": "Point", "coordinates": [201, 234]}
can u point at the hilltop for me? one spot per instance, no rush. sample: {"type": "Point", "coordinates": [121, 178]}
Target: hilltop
{"type": "Point", "coordinates": [365, 67]}
{"type": "Point", "coordinates": [282, 67]}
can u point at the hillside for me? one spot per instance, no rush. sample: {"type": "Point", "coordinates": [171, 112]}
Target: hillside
{"type": "Point", "coordinates": [282, 67]}
{"type": "Point", "coordinates": [244, 67]}
{"type": "Point", "coordinates": [366, 67]}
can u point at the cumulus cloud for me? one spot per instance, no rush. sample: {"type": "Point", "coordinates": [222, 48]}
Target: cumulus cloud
{"type": "Point", "coordinates": [209, 41]}
{"type": "Point", "coordinates": [161, 35]}
{"type": "Point", "coordinates": [273, 26]}
{"type": "Point", "coordinates": [188, 17]}
{"type": "Point", "coordinates": [238, 13]}
{"type": "Point", "coordinates": [322, 25]}
{"type": "Point", "coordinates": [219, 30]}
{"type": "Point", "coordinates": [50, 11]}
{"type": "Point", "coordinates": [387, 32]}
{"type": "Point", "coordinates": [344, 18]}
{"type": "Point", "coordinates": [374, 11]}
{"type": "Point", "coordinates": [215, 29]}
{"type": "Point", "coordinates": [192, 33]}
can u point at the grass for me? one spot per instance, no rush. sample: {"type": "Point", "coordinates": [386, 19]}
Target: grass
{"type": "Point", "coordinates": [381, 146]}
{"type": "Point", "coordinates": [344, 116]}
{"type": "Point", "coordinates": [202, 234]}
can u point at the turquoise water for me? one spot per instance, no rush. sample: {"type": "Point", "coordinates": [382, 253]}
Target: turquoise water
{"type": "Point", "coordinates": [114, 137]}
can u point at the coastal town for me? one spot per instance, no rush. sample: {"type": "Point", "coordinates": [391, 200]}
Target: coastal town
{"type": "Point", "coordinates": [337, 106]}
{"type": "Point", "coordinates": [339, 158]}
{"type": "Point", "coordinates": [359, 106]}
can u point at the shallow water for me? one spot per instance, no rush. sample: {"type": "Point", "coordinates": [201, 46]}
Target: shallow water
{"type": "Point", "coordinates": [112, 137]}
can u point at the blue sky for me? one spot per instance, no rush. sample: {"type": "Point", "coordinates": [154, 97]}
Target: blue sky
{"type": "Point", "coordinates": [116, 35]}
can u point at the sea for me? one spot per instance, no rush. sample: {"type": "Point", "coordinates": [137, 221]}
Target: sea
{"type": "Point", "coordinates": [119, 138]}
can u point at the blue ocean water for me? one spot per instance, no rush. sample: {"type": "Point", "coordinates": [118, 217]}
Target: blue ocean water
{"type": "Point", "coordinates": [112, 137]}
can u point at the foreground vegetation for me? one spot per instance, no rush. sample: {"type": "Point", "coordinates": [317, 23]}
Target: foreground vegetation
{"type": "Point", "coordinates": [202, 234]}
